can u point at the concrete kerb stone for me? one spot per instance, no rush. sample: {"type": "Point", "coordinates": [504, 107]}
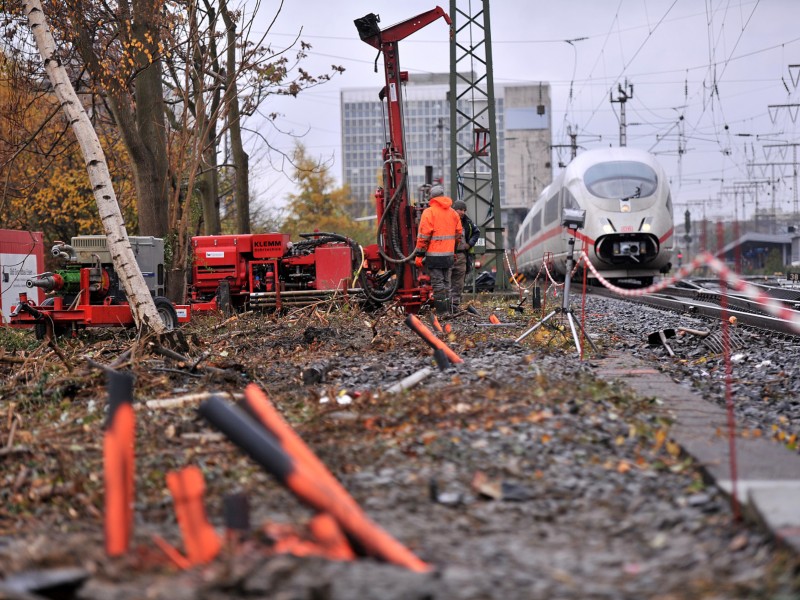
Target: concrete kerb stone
{"type": "Point", "coordinates": [768, 475]}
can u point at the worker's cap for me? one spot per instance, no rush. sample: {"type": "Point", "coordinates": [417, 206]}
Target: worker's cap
{"type": "Point", "coordinates": [436, 191]}
{"type": "Point", "coordinates": [459, 205]}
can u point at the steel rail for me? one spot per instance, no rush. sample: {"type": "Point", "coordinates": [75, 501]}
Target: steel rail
{"type": "Point", "coordinates": [691, 304]}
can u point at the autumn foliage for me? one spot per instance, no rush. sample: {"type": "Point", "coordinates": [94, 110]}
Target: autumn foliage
{"type": "Point", "coordinates": [45, 187]}
{"type": "Point", "coordinates": [319, 206]}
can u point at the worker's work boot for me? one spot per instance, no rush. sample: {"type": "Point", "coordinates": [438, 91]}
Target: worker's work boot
{"type": "Point", "coordinates": [442, 307]}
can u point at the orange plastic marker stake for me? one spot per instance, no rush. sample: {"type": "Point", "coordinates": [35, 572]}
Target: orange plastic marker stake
{"type": "Point", "coordinates": [306, 483]}
{"type": "Point", "coordinates": [178, 559]}
{"type": "Point", "coordinates": [200, 540]}
{"type": "Point", "coordinates": [381, 544]}
{"type": "Point", "coordinates": [436, 325]}
{"type": "Point", "coordinates": [330, 536]}
{"type": "Point", "coordinates": [426, 334]}
{"type": "Point", "coordinates": [118, 463]}
{"type": "Point", "coordinates": [493, 318]}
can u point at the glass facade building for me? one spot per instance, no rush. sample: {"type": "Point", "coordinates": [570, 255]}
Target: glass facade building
{"type": "Point", "coordinates": [523, 138]}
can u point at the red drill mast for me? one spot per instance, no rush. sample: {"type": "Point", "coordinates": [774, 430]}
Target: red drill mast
{"type": "Point", "coordinates": [397, 219]}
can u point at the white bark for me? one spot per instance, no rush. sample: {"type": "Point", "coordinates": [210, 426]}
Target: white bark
{"type": "Point", "coordinates": [142, 305]}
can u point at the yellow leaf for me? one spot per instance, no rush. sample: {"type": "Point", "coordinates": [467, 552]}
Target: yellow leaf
{"type": "Point", "coordinates": [619, 441]}
{"type": "Point", "coordinates": [673, 449]}
{"type": "Point", "coordinates": [661, 437]}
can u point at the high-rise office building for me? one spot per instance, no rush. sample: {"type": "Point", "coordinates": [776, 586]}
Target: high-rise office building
{"type": "Point", "coordinates": [523, 138]}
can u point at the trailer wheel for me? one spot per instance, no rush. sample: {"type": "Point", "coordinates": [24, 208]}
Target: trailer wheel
{"type": "Point", "coordinates": [167, 312]}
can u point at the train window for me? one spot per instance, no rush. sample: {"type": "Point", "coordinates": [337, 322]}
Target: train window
{"type": "Point", "coordinates": [623, 179]}
{"type": "Point", "coordinates": [551, 209]}
{"type": "Point", "coordinates": [536, 223]}
{"type": "Point", "coordinates": [569, 200]}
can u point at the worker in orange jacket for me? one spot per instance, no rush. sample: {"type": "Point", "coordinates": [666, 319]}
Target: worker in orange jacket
{"type": "Point", "coordinates": [439, 230]}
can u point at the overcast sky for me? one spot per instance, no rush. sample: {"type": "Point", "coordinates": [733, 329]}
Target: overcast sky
{"type": "Point", "coordinates": [719, 64]}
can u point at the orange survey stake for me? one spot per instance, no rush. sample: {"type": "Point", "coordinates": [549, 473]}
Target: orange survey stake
{"type": "Point", "coordinates": [310, 473]}
{"type": "Point", "coordinates": [118, 464]}
{"type": "Point", "coordinates": [308, 483]}
{"type": "Point", "coordinates": [200, 540]}
{"type": "Point", "coordinates": [426, 334]}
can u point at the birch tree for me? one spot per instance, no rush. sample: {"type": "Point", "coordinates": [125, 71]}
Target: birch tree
{"type": "Point", "coordinates": [142, 305]}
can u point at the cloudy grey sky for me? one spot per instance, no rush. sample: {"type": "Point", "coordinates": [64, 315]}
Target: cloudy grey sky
{"type": "Point", "coordinates": [719, 64]}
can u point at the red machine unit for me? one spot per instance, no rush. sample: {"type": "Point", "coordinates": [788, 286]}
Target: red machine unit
{"type": "Point", "coordinates": [267, 270]}
{"type": "Point", "coordinates": [87, 292]}
{"type": "Point", "coordinates": [391, 260]}
{"type": "Point", "coordinates": [21, 257]}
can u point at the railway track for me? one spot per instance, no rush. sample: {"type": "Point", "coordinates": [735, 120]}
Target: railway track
{"type": "Point", "coordinates": [711, 302]}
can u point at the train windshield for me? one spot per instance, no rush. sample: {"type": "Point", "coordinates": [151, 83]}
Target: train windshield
{"type": "Point", "coordinates": [623, 179]}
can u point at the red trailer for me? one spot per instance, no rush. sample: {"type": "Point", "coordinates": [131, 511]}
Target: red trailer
{"type": "Point", "coordinates": [87, 292]}
{"type": "Point", "coordinates": [21, 257]}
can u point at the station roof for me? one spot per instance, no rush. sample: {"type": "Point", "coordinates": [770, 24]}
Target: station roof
{"type": "Point", "coordinates": [751, 241]}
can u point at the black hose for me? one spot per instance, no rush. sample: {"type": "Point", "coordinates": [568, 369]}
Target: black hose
{"type": "Point", "coordinates": [390, 212]}
{"type": "Point", "coordinates": [326, 237]}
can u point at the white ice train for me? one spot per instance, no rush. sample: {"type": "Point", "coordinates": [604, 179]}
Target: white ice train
{"type": "Point", "coordinates": [628, 229]}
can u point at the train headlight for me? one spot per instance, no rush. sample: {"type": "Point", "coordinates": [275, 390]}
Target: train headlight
{"type": "Point", "coordinates": [646, 227]}
{"type": "Point", "coordinates": [625, 207]}
{"type": "Point", "coordinates": [607, 228]}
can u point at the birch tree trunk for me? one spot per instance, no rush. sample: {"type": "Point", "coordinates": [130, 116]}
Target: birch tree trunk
{"type": "Point", "coordinates": [142, 305]}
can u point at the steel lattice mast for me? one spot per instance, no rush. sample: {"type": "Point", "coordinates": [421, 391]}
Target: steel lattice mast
{"type": "Point", "coordinates": [474, 168]}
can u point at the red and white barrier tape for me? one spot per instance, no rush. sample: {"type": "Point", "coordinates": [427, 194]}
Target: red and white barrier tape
{"type": "Point", "coordinates": [550, 276]}
{"type": "Point", "coordinates": [513, 275]}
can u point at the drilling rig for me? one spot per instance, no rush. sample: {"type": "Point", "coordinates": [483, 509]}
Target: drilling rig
{"type": "Point", "coordinates": [391, 271]}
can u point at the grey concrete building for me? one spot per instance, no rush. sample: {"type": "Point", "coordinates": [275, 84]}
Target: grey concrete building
{"type": "Point", "coordinates": [523, 137]}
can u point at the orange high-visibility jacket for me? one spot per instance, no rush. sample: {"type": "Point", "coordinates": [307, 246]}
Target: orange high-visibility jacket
{"type": "Point", "coordinates": [439, 230]}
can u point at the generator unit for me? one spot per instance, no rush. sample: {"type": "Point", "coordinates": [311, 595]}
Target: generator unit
{"type": "Point", "coordinates": [148, 250]}
{"type": "Point", "coordinates": [86, 291]}
{"type": "Point", "coordinates": [269, 271]}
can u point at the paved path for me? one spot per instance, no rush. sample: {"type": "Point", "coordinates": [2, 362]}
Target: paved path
{"type": "Point", "coordinates": [768, 475]}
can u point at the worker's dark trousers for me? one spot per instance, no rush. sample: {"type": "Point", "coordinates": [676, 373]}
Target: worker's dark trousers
{"type": "Point", "coordinates": [457, 277]}
{"type": "Point", "coordinates": [440, 282]}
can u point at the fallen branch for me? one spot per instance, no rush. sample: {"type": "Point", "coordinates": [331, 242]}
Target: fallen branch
{"type": "Point", "coordinates": [166, 352]}
{"type": "Point", "coordinates": [410, 381]}
{"type": "Point", "coordinates": [180, 401]}
{"type": "Point", "coordinates": [231, 320]}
